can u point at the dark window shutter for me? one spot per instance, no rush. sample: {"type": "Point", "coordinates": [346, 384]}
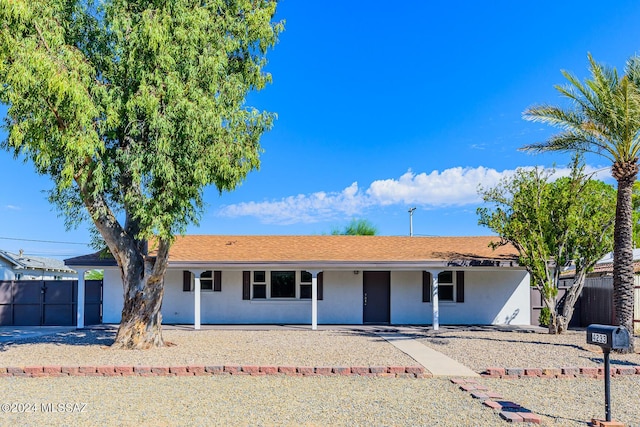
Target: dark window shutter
{"type": "Point", "coordinates": [460, 286]}
{"type": "Point", "coordinates": [217, 281]}
{"type": "Point", "coordinates": [426, 286]}
{"type": "Point", "coordinates": [186, 281]}
{"type": "Point", "coordinates": [246, 285]}
{"type": "Point", "coordinates": [320, 291]}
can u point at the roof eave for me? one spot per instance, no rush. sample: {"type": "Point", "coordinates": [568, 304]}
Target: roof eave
{"type": "Point", "coordinates": [346, 265]}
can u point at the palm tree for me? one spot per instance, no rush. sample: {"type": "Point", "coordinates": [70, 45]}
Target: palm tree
{"type": "Point", "coordinates": [604, 118]}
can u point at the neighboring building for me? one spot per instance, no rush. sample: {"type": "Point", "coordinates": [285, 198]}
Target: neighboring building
{"type": "Point", "coordinates": [604, 267]}
{"type": "Point", "coordinates": [332, 280]}
{"type": "Point", "coordinates": [26, 267]}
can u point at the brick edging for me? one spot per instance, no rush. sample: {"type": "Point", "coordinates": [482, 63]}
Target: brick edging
{"type": "Point", "coordinates": [192, 370]}
{"type": "Point", "coordinates": [565, 372]}
{"type": "Point", "coordinates": [507, 410]}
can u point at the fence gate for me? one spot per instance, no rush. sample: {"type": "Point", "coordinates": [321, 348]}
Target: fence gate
{"type": "Point", "coordinates": [537, 304]}
{"type": "Point", "coordinates": [597, 301]}
{"type": "Point", "coordinates": [48, 302]}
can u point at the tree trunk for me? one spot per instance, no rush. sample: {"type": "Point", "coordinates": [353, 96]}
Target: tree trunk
{"type": "Point", "coordinates": [570, 298]}
{"type": "Point", "coordinates": [562, 324]}
{"type": "Point", "coordinates": [625, 173]}
{"type": "Point", "coordinates": [143, 281]}
{"type": "Point", "coordinates": [142, 275]}
{"type": "Point", "coordinates": [140, 327]}
{"type": "Point", "coordinates": [551, 303]}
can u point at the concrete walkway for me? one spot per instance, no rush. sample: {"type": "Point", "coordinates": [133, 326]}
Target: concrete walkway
{"type": "Point", "coordinates": [435, 362]}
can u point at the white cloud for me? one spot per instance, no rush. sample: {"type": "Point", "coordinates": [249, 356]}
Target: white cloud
{"type": "Point", "coordinates": [12, 208]}
{"type": "Point", "coordinates": [451, 187]}
{"type": "Point", "coordinates": [455, 186]}
{"type": "Point", "coordinates": [302, 208]}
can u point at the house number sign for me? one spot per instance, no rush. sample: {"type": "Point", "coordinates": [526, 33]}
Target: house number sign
{"type": "Point", "coordinates": [599, 338]}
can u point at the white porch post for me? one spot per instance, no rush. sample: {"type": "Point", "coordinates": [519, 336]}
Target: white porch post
{"type": "Point", "coordinates": [196, 299]}
{"type": "Point", "coordinates": [314, 299]}
{"type": "Point", "coordinates": [81, 298]}
{"type": "Point", "coordinates": [434, 299]}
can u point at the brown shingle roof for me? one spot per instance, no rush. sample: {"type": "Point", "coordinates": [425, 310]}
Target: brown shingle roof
{"type": "Point", "coordinates": [336, 248]}
{"type": "Point", "coordinates": [331, 250]}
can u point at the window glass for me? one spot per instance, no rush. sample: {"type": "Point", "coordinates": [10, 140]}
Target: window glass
{"type": "Point", "coordinates": [206, 281]}
{"type": "Point", "coordinates": [445, 277]}
{"type": "Point", "coordinates": [283, 284]}
{"type": "Point", "coordinates": [305, 291]}
{"type": "Point", "coordinates": [259, 291]}
{"type": "Point", "coordinates": [445, 293]}
{"type": "Point", "coordinates": [259, 276]}
{"type": "Point", "coordinates": [305, 277]}
{"type": "Point", "coordinates": [445, 286]}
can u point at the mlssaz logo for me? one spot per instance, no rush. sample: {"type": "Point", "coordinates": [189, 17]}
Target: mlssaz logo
{"type": "Point", "coordinates": [63, 407]}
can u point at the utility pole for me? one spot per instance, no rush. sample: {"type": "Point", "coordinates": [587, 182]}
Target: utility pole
{"type": "Point", "coordinates": [411, 221]}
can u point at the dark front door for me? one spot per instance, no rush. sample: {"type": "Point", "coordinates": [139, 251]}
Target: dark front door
{"type": "Point", "coordinates": [376, 296]}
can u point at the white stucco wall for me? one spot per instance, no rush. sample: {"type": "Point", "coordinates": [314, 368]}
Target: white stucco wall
{"type": "Point", "coordinates": [342, 302]}
{"type": "Point", "coordinates": [112, 296]}
{"type": "Point", "coordinates": [6, 271]}
{"type": "Point", "coordinates": [342, 292]}
{"type": "Point", "coordinates": [491, 297]}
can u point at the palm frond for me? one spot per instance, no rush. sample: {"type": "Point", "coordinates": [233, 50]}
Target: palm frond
{"type": "Point", "coordinates": [604, 117]}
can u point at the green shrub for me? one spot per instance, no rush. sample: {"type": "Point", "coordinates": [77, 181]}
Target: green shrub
{"type": "Point", "coordinates": [545, 316]}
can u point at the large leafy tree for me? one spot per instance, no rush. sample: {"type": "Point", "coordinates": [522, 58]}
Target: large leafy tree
{"type": "Point", "coordinates": [603, 117]}
{"type": "Point", "coordinates": [554, 225]}
{"type": "Point", "coordinates": [132, 108]}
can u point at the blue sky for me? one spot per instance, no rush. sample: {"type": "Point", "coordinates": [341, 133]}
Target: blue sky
{"type": "Point", "coordinates": [382, 106]}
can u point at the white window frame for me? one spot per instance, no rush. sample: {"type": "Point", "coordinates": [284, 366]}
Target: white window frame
{"type": "Point", "coordinates": [451, 284]}
{"type": "Point", "coordinates": [268, 285]}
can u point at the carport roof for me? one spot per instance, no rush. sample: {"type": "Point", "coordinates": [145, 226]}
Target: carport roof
{"type": "Point", "coordinates": [328, 250]}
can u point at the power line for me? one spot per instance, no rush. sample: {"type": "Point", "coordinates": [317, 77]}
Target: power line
{"type": "Point", "coordinates": [43, 241]}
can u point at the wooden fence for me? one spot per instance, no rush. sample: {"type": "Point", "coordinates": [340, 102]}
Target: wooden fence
{"type": "Point", "coordinates": [48, 302]}
{"type": "Point", "coordinates": [595, 304]}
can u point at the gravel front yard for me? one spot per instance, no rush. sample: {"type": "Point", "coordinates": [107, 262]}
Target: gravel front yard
{"type": "Point", "coordinates": [283, 400]}
{"type": "Point", "coordinates": [482, 347]}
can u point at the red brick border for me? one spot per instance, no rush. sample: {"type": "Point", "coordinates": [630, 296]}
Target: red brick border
{"type": "Point", "coordinates": [564, 372]}
{"type": "Point", "coordinates": [509, 411]}
{"type": "Point", "coordinates": [200, 370]}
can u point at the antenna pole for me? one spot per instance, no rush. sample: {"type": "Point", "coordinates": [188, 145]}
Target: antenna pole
{"type": "Point", "coordinates": [411, 221]}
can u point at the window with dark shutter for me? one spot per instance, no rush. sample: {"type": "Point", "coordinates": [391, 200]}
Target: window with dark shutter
{"type": "Point", "coordinates": [259, 285]}
{"type": "Point", "coordinates": [246, 285]}
{"type": "Point", "coordinates": [305, 284]}
{"type": "Point", "coordinates": [445, 286]}
{"type": "Point", "coordinates": [426, 286]}
{"type": "Point", "coordinates": [186, 281]}
{"type": "Point", "coordinates": [217, 281]}
{"type": "Point", "coordinates": [459, 286]}
{"type": "Point", "coordinates": [206, 281]}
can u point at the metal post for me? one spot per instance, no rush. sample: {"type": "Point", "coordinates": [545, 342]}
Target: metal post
{"type": "Point", "coordinates": [607, 385]}
{"type": "Point", "coordinates": [81, 299]}
{"type": "Point", "coordinates": [411, 221]}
